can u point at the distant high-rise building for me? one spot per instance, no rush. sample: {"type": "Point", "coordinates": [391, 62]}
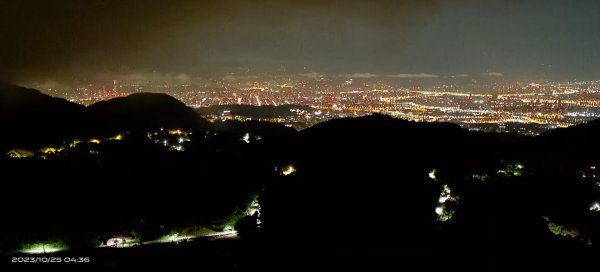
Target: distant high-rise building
{"type": "Point", "coordinates": [115, 85]}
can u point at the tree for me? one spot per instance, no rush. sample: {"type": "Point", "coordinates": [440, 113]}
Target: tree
{"type": "Point", "coordinates": [247, 227]}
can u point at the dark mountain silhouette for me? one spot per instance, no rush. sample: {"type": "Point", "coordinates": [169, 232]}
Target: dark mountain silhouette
{"type": "Point", "coordinates": [568, 149]}
{"type": "Point", "coordinates": [33, 119]}
{"type": "Point", "coordinates": [145, 111]}
{"type": "Point", "coordinates": [404, 142]}
{"type": "Point", "coordinates": [362, 184]}
{"type": "Point", "coordinates": [582, 132]}
{"type": "Point", "coordinates": [579, 140]}
{"type": "Point", "coordinates": [369, 170]}
{"type": "Point", "coordinates": [28, 116]}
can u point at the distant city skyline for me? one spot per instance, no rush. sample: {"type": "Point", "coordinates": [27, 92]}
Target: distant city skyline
{"type": "Point", "coordinates": [498, 105]}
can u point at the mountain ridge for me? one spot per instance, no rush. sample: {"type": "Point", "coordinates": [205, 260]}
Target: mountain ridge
{"type": "Point", "coordinates": [29, 115]}
{"type": "Point", "coordinates": [32, 118]}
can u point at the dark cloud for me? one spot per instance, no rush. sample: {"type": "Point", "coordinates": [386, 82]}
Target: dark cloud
{"type": "Point", "coordinates": [48, 38]}
{"type": "Point", "coordinates": [68, 37]}
{"type": "Point", "coordinates": [75, 39]}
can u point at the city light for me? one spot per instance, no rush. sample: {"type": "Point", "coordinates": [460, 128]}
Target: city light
{"type": "Point", "coordinates": [523, 108]}
{"type": "Point", "coordinates": [288, 170]}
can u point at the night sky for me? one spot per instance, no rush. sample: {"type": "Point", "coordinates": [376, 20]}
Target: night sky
{"type": "Point", "coordinates": [68, 40]}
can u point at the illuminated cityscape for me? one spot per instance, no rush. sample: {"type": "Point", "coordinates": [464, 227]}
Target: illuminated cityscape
{"type": "Point", "coordinates": [524, 108]}
{"type": "Point", "coordinates": [277, 135]}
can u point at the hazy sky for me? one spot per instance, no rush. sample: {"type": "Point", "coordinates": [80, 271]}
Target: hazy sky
{"type": "Point", "coordinates": [69, 39]}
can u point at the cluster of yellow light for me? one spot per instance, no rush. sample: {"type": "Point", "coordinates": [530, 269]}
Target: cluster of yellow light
{"type": "Point", "coordinates": [117, 137]}
{"type": "Point", "coordinates": [74, 143]}
{"type": "Point", "coordinates": [22, 153]}
{"type": "Point", "coordinates": [442, 93]}
{"type": "Point", "coordinates": [507, 96]}
{"type": "Point", "coordinates": [178, 132]}
{"type": "Point", "coordinates": [19, 153]}
{"type": "Point", "coordinates": [51, 150]}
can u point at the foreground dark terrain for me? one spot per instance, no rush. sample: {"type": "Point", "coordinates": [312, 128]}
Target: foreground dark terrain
{"type": "Point", "coordinates": [372, 192]}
